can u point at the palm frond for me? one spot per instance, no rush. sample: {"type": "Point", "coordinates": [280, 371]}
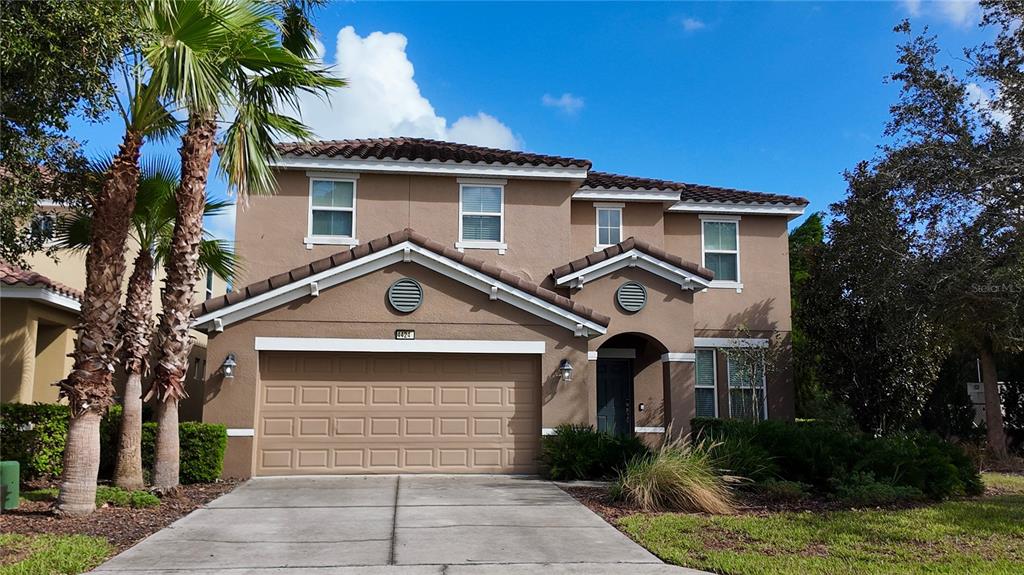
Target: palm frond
{"type": "Point", "coordinates": [74, 231]}
{"type": "Point", "coordinates": [219, 257]}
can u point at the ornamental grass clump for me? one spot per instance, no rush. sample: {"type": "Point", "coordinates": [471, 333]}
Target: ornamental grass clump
{"type": "Point", "coordinates": [679, 476]}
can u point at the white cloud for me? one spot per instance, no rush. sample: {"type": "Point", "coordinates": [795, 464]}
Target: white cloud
{"type": "Point", "coordinates": [693, 24]}
{"type": "Point", "coordinates": [978, 97]}
{"type": "Point", "coordinates": [566, 102]}
{"type": "Point", "coordinates": [383, 98]}
{"type": "Point", "coordinates": [957, 12]}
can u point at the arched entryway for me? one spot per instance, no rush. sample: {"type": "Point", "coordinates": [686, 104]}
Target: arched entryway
{"type": "Point", "coordinates": [630, 385]}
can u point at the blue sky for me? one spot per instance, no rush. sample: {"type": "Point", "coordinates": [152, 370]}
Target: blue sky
{"type": "Point", "coordinates": [777, 97]}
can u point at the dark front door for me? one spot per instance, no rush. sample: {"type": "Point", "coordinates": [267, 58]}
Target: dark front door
{"type": "Point", "coordinates": [615, 396]}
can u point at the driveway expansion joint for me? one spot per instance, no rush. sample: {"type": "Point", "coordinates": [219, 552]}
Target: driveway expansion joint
{"type": "Point", "coordinates": [394, 522]}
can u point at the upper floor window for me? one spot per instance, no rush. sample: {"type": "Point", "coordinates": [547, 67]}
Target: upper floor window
{"type": "Point", "coordinates": [332, 212]}
{"type": "Point", "coordinates": [721, 239]}
{"type": "Point", "coordinates": [209, 283]}
{"type": "Point", "coordinates": [609, 225]}
{"type": "Point", "coordinates": [42, 227]}
{"type": "Point", "coordinates": [481, 217]}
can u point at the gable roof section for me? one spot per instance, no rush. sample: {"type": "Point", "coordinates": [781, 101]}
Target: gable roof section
{"type": "Point", "coordinates": [25, 284]}
{"type": "Point", "coordinates": [633, 253]}
{"type": "Point", "coordinates": [403, 246]}
{"type": "Point", "coordinates": [600, 183]}
{"type": "Point", "coordinates": [424, 150]}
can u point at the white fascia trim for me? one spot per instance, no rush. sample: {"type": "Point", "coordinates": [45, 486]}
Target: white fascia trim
{"type": "Point", "coordinates": [649, 430]}
{"type": "Point", "coordinates": [431, 168]}
{"type": "Point", "coordinates": [683, 357]}
{"type": "Point", "coordinates": [398, 345]}
{"type": "Point", "coordinates": [547, 431]}
{"type": "Point", "coordinates": [790, 210]}
{"type": "Point", "coordinates": [241, 432]}
{"type": "Point", "coordinates": [592, 194]}
{"type": "Point", "coordinates": [635, 258]}
{"type": "Point", "coordinates": [42, 294]}
{"type": "Point", "coordinates": [730, 342]}
{"type": "Point", "coordinates": [405, 251]}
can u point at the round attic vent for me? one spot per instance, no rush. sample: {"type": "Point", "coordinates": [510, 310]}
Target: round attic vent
{"type": "Point", "coordinates": [631, 296]}
{"type": "Point", "coordinates": [405, 295]}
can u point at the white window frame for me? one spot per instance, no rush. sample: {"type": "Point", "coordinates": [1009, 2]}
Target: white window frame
{"type": "Point", "coordinates": [764, 388]}
{"type": "Point", "coordinates": [611, 207]}
{"type": "Point", "coordinates": [209, 283]}
{"type": "Point", "coordinates": [714, 377]}
{"type": "Point", "coordinates": [311, 240]}
{"type": "Point", "coordinates": [716, 283]}
{"type": "Point", "coordinates": [500, 245]}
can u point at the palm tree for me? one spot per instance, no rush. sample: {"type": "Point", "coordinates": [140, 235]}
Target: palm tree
{"type": "Point", "coordinates": [151, 227]}
{"type": "Point", "coordinates": [181, 36]}
{"type": "Point", "coordinates": [254, 79]}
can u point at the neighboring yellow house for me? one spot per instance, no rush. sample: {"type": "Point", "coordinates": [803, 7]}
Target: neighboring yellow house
{"type": "Point", "coordinates": [39, 308]}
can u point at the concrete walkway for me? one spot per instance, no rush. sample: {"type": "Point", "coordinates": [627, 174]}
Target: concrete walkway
{"type": "Point", "coordinates": [391, 525]}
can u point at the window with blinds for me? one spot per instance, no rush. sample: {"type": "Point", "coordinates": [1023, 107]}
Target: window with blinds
{"type": "Point", "coordinates": [481, 212]}
{"type": "Point", "coordinates": [704, 391]}
{"type": "Point", "coordinates": [332, 208]}
{"type": "Point", "coordinates": [746, 389]}
{"type": "Point", "coordinates": [721, 249]}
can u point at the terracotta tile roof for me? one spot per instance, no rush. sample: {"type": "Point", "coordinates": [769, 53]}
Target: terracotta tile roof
{"type": "Point", "coordinates": [421, 149]}
{"type": "Point", "coordinates": [625, 246]}
{"type": "Point", "coordinates": [387, 241]}
{"type": "Point", "coordinates": [687, 192]}
{"type": "Point", "coordinates": [13, 275]}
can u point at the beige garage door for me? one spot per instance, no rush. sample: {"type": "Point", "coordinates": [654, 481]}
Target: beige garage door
{"type": "Point", "coordinates": [322, 412]}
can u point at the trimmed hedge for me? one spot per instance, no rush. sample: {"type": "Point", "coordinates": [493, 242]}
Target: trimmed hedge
{"type": "Point", "coordinates": [581, 452]}
{"type": "Point", "coordinates": [34, 435]}
{"type": "Point", "coordinates": [839, 461]}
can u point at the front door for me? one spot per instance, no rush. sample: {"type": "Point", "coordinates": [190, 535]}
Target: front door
{"type": "Point", "coordinates": [615, 396]}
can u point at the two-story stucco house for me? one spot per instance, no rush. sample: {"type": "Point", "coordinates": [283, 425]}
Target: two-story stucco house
{"type": "Point", "coordinates": [447, 304]}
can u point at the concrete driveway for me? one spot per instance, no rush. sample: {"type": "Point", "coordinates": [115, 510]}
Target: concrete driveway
{"type": "Point", "coordinates": [400, 525]}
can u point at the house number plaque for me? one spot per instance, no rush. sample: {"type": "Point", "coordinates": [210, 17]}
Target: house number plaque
{"type": "Point", "coordinates": [405, 334]}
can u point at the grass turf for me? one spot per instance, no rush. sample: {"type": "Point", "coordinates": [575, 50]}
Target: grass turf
{"type": "Point", "coordinates": [51, 554]}
{"type": "Point", "coordinates": [976, 536]}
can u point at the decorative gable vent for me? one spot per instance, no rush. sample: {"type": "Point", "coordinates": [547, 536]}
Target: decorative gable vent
{"type": "Point", "coordinates": [405, 295]}
{"type": "Point", "coordinates": [631, 296]}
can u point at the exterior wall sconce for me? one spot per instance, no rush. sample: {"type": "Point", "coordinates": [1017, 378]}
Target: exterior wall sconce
{"type": "Point", "coordinates": [228, 367]}
{"type": "Point", "coordinates": [566, 369]}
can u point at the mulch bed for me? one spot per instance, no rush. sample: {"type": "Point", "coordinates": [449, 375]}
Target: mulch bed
{"type": "Point", "coordinates": [121, 526]}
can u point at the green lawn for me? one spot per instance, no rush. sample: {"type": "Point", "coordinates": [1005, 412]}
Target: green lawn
{"type": "Point", "coordinates": [977, 536]}
{"type": "Point", "coordinates": [51, 554]}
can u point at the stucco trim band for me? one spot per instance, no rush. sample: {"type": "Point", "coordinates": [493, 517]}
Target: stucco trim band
{"type": "Point", "coordinates": [423, 167]}
{"type": "Point", "coordinates": [730, 342]}
{"type": "Point", "coordinates": [408, 252]}
{"type": "Point", "coordinates": [398, 345]}
{"type": "Point", "coordinates": [791, 210]}
{"type": "Point", "coordinates": [241, 432]}
{"type": "Point", "coordinates": [684, 357]}
{"type": "Point", "coordinates": [635, 258]}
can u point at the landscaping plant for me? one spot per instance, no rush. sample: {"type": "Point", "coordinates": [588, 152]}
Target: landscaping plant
{"type": "Point", "coordinates": [581, 452]}
{"type": "Point", "coordinates": [680, 476]}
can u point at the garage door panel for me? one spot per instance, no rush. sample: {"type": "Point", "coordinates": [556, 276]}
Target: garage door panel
{"type": "Point", "coordinates": [352, 413]}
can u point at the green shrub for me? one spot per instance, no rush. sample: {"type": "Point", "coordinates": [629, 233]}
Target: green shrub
{"type": "Point", "coordinates": [118, 497]}
{"type": "Point", "coordinates": [782, 490]}
{"type": "Point", "coordinates": [823, 456]}
{"type": "Point", "coordinates": [862, 489]}
{"type": "Point", "coordinates": [580, 452]}
{"type": "Point", "coordinates": [741, 457]}
{"type": "Point", "coordinates": [680, 476]}
{"type": "Point", "coordinates": [202, 451]}
{"type": "Point", "coordinates": [34, 436]}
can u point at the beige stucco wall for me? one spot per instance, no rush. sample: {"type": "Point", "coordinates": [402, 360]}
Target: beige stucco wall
{"type": "Point", "coordinates": [270, 230]}
{"type": "Point", "coordinates": [358, 309]}
{"type": "Point", "coordinates": [643, 221]}
{"type": "Point", "coordinates": [31, 364]}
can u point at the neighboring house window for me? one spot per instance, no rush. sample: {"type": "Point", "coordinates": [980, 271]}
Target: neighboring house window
{"type": "Point", "coordinates": [705, 394]}
{"type": "Point", "coordinates": [209, 283]}
{"type": "Point", "coordinates": [721, 238]}
{"type": "Point", "coordinates": [42, 227]}
{"type": "Point", "coordinates": [481, 217]}
{"type": "Point", "coordinates": [609, 225]}
{"type": "Point", "coordinates": [332, 212]}
{"type": "Point", "coordinates": [747, 398]}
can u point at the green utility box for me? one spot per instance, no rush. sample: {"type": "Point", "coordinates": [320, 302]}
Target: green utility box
{"type": "Point", "coordinates": [9, 471]}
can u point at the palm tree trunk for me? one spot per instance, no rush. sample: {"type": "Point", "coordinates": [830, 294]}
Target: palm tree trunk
{"type": "Point", "coordinates": [996, 435]}
{"type": "Point", "coordinates": [136, 322]}
{"type": "Point", "coordinates": [88, 387]}
{"type": "Point", "coordinates": [175, 342]}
